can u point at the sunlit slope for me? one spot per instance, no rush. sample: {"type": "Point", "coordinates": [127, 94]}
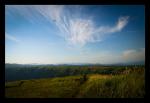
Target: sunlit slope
{"type": "Point", "coordinates": [130, 85]}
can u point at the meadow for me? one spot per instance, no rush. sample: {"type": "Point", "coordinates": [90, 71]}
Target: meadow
{"type": "Point", "coordinates": [101, 82]}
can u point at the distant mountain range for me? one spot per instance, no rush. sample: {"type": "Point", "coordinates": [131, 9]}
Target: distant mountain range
{"type": "Point", "coordinates": [65, 64]}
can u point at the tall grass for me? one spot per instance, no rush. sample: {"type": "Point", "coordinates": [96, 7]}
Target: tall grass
{"type": "Point", "coordinates": [131, 85]}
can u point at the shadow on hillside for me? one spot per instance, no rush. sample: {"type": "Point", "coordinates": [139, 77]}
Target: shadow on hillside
{"type": "Point", "coordinates": [15, 85]}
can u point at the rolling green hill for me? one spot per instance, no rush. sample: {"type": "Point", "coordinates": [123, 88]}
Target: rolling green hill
{"type": "Point", "coordinates": [126, 85]}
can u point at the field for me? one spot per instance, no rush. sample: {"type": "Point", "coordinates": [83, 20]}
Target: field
{"type": "Point", "coordinates": [123, 83]}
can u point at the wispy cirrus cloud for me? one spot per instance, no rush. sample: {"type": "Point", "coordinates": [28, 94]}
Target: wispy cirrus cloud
{"type": "Point", "coordinates": [12, 38]}
{"type": "Point", "coordinates": [74, 28]}
{"type": "Point", "coordinates": [84, 31]}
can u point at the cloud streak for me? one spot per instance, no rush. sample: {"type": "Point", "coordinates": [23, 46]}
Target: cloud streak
{"type": "Point", "coordinates": [75, 29]}
{"type": "Point", "coordinates": [12, 38]}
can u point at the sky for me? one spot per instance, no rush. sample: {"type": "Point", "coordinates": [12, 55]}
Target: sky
{"type": "Point", "coordinates": [58, 34]}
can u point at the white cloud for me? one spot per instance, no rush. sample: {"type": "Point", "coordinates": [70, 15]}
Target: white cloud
{"type": "Point", "coordinates": [134, 55]}
{"type": "Point", "coordinates": [75, 29]}
{"type": "Point", "coordinates": [122, 22]}
{"type": "Point", "coordinates": [52, 12]}
{"type": "Point", "coordinates": [12, 38]}
{"type": "Point", "coordinates": [83, 31]}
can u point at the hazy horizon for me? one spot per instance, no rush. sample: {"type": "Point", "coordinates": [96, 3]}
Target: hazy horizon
{"type": "Point", "coordinates": [72, 34]}
{"type": "Point", "coordinates": [130, 63]}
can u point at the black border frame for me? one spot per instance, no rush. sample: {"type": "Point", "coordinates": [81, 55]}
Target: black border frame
{"type": "Point", "coordinates": [74, 2]}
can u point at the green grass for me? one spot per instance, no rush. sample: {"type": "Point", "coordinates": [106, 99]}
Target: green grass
{"type": "Point", "coordinates": [120, 86]}
{"type": "Point", "coordinates": [131, 85]}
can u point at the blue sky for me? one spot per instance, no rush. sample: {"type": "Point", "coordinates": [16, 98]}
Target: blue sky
{"type": "Point", "coordinates": [52, 34]}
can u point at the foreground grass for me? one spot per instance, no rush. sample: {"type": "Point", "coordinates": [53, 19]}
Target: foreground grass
{"type": "Point", "coordinates": [131, 85]}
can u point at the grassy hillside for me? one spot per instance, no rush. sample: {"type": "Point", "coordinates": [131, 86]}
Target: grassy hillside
{"type": "Point", "coordinates": [15, 72]}
{"type": "Point", "coordinates": [124, 85]}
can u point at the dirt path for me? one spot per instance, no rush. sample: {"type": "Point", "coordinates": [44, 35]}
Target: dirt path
{"type": "Point", "coordinates": [82, 82]}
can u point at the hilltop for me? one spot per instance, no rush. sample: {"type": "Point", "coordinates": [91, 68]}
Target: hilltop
{"type": "Point", "coordinates": [123, 85]}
